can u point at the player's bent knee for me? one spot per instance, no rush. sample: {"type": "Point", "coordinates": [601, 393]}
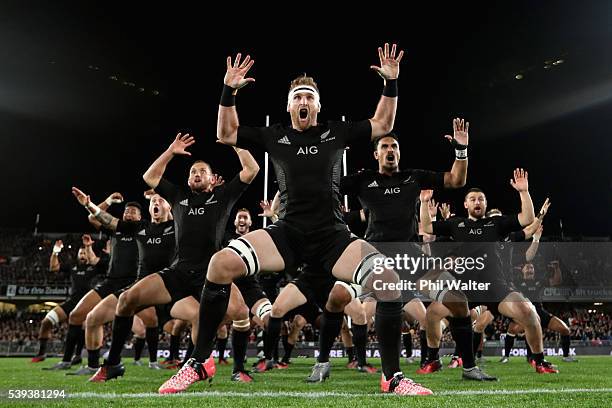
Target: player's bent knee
{"type": "Point", "coordinates": [91, 320]}
{"type": "Point", "coordinates": [338, 298]}
{"type": "Point", "coordinates": [226, 266]}
{"type": "Point", "coordinates": [278, 311]}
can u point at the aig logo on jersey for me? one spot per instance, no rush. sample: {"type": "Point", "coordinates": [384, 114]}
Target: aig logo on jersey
{"type": "Point", "coordinates": [196, 211]}
{"type": "Point", "coordinates": [475, 231]}
{"type": "Point", "coordinates": [152, 241]}
{"type": "Point", "coordinates": [393, 190]}
{"type": "Point", "coordinates": [307, 150]}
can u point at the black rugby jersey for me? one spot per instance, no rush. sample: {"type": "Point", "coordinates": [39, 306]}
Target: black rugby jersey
{"type": "Point", "coordinates": [308, 168]}
{"type": "Point", "coordinates": [156, 244]}
{"type": "Point", "coordinates": [200, 220]}
{"type": "Point", "coordinates": [391, 200]}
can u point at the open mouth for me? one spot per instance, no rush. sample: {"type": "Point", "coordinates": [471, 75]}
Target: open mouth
{"type": "Point", "coordinates": [477, 208]}
{"type": "Point", "coordinates": [155, 210]}
{"type": "Point", "coordinates": [390, 157]}
{"type": "Point", "coordinates": [303, 113]}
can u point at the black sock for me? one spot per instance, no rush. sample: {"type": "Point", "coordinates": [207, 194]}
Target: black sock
{"type": "Point", "coordinates": [138, 347]}
{"type": "Point", "coordinates": [189, 351]}
{"type": "Point", "coordinates": [360, 340]}
{"type": "Point", "coordinates": [476, 339]}
{"type": "Point", "coordinates": [93, 358]}
{"type": "Point", "coordinates": [275, 351]}
{"type": "Point", "coordinates": [424, 348]}
{"type": "Point", "coordinates": [240, 341]}
{"type": "Point", "coordinates": [78, 349]}
{"type": "Point", "coordinates": [388, 326]}
{"type": "Point", "coordinates": [288, 347]}
{"type": "Point", "coordinates": [350, 353]}
{"type": "Point", "coordinates": [271, 335]}
{"type": "Point", "coordinates": [175, 342]}
{"type": "Point", "coordinates": [121, 330]}
{"type": "Point", "coordinates": [529, 353]}
{"type": "Point", "coordinates": [152, 336]}
{"type": "Point", "coordinates": [433, 354]}
{"type": "Point", "coordinates": [565, 345]}
{"type": "Point", "coordinates": [42, 348]}
{"type": "Point", "coordinates": [285, 341]}
{"type": "Point", "coordinates": [461, 329]}
{"type": "Point", "coordinates": [213, 305]}
{"type": "Point", "coordinates": [407, 341]}
{"type": "Point", "coordinates": [221, 345]}
{"type": "Point", "coordinates": [74, 331]}
{"type": "Point", "coordinates": [508, 344]}
{"type": "Point", "coordinates": [331, 324]}
{"type": "Point", "coordinates": [538, 357]}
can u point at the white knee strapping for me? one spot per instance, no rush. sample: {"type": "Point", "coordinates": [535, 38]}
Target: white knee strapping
{"type": "Point", "coordinates": [263, 309]}
{"type": "Point", "coordinates": [352, 288]}
{"type": "Point", "coordinates": [438, 295]}
{"type": "Point", "coordinates": [365, 267]}
{"type": "Point", "coordinates": [241, 324]}
{"type": "Point", "coordinates": [245, 250]}
{"type": "Point", "coordinates": [53, 317]}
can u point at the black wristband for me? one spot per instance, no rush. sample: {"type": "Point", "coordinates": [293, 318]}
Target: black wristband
{"type": "Point", "coordinates": [227, 96]}
{"type": "Point", "coordinates": [457, 145]}
{"type": "Point", "coordinates": [390, 89]}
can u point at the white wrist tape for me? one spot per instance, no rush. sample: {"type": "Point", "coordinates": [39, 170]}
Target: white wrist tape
{"type": "Point", "coordinates": [461, 154]}
{"type": "Point", "coordinates": [93, 209]}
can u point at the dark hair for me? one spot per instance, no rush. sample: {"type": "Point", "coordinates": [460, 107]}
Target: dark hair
{"type": "Point", "coordinates": [472, 190]}
{"type": "Point", "coordinates": [391, 134]}
{"type": "Point", "coordinates": [134, 204]}
{"type": "Point", "coordinates": [201, 161]}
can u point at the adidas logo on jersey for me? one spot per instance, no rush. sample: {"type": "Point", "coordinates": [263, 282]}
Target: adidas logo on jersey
{"type": "Point", "coordinates": [185, 202]}
{"type": "Point", "coordinates": [373, 184]}
{"type": "Point", "coordinates": [461, 224]}
{"type": "Point", "coordinates": [142, 232]}
{"type": "Point", "coordinates": [284, 140]}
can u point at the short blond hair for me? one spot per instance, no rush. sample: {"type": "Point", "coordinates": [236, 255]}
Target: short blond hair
{"type": "Point", "coordinates": [303, 80]}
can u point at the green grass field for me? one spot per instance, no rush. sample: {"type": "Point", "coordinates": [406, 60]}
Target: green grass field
{"type": "Point", "coordinates": [586, 383]}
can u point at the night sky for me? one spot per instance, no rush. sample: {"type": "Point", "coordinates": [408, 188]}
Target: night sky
{"type": "Point", "coordinates": [91, 94]}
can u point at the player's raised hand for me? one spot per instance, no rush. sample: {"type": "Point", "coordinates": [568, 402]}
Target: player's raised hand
{"type": "Point", "coordinates": [433, 208]}
{"type": "Point", "coordinates": [81, 197]}
{"type": "Point", "coordinates": [58, 246]}
{"type": "Point", "coordinates": [87, 241]}
{"type": "Point", "coordinates": [544, 209]}
{"type": "Point", "coordinates": [426, 195]}
{"type": "Point", "coordinates": [538, 234]}
{"type": "Point", "coordinates": [115, 198]}
{"type": "Point", "coordinates": [520, 183]}
{"type": "Point", "coordinates": [460, 132]}
{"type": "Point", "coordinates": [266, 208]}
{"type": "Point", "coordinates": [181, 143]}
{"type": "Point", "coordinates": [236, 72]}
{"type": "Point", "coordinates": [389, 63]}
{"type": "Point", "coordinates": [445, 210]}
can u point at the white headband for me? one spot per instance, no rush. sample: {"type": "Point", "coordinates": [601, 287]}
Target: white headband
{"type": "Point", "coordinates": [304, 89]}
